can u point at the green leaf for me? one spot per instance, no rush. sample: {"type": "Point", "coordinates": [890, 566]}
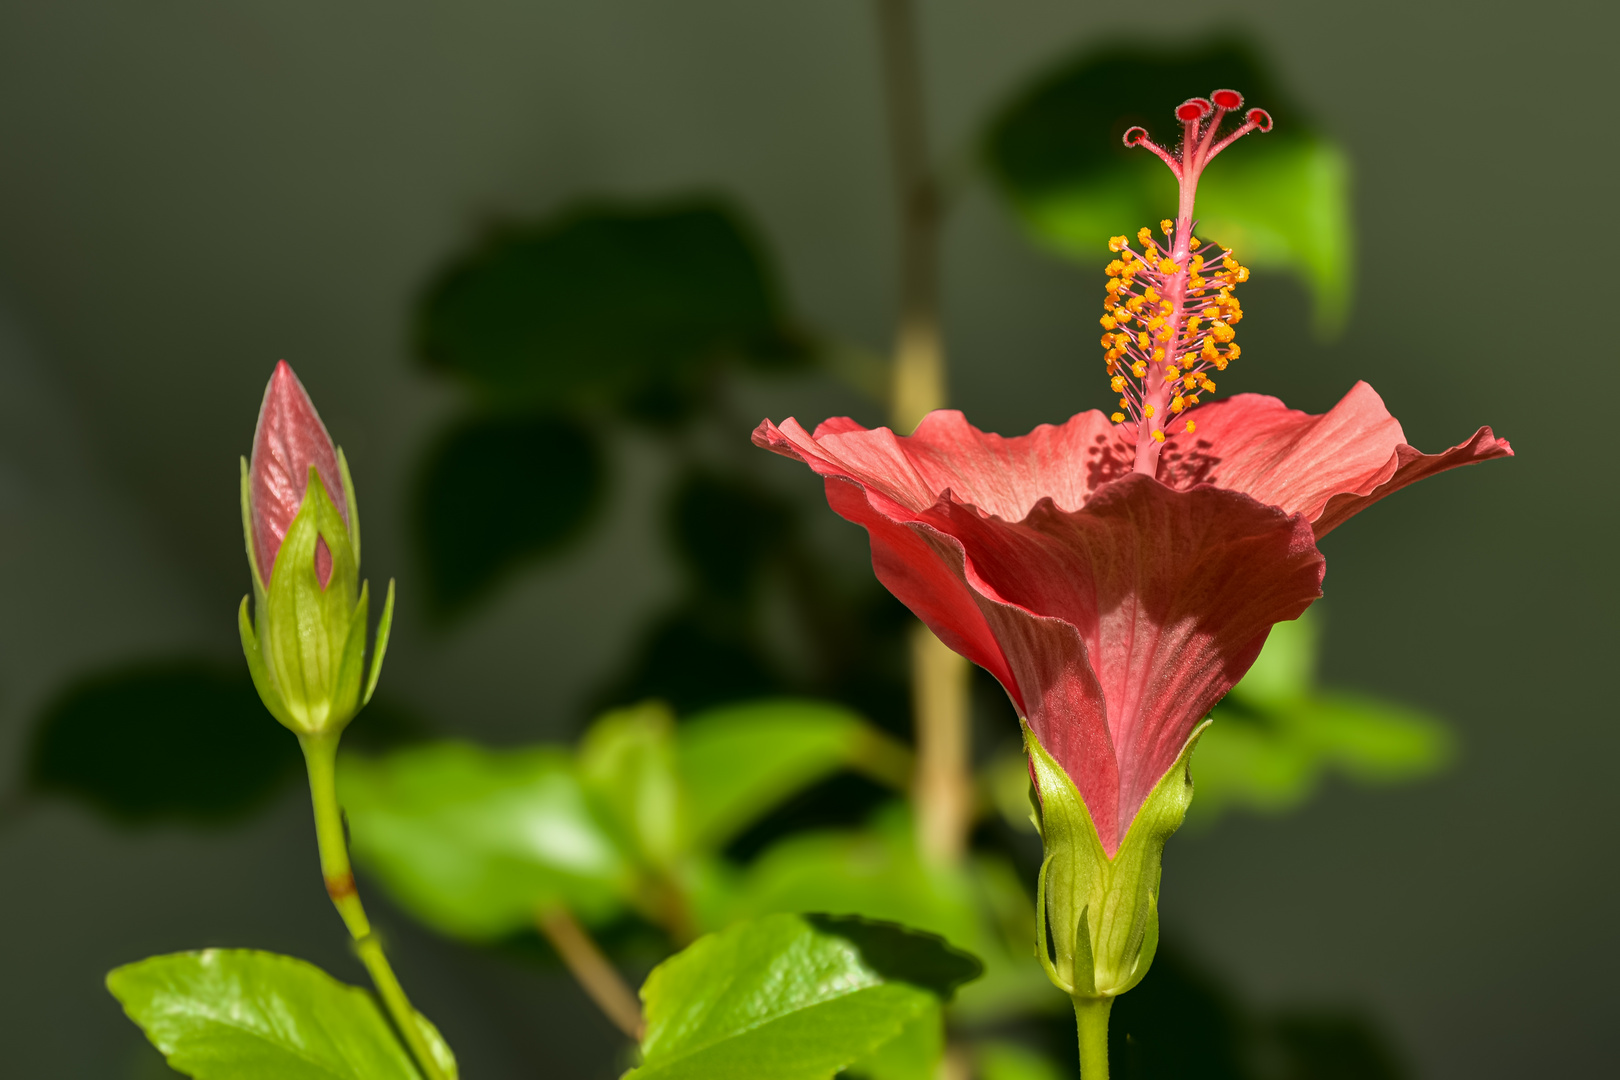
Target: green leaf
{"type": "Point", "coordinates": [875, 872]}
{"type": "Point", "coordinates": [1280, 199]}
{"type": "Point", "coordinates": [739, 761]}
{"type": "Point", "coordinates": [498, 492]}
{"type": "Point", "coordinates": [785, 998]}
{"type": "Point", "coordinates": [181, 739]}
{"type": "Point", "coordinates": [473, 841]}
{"type": "Point", "coordinates": [1285, 670]}
{"type": "Point", "coordinates": [627, 763]}
{"type": "Point", "coordinates": [1009, 1061]}
{"type": "Point", "coordinates": [914, 1054]}
{"type": "Point", "coordinates": [1276, 735]}
{"type": "Point", "coordinates": [240, 1014]}
{"type": "Point", "coordinates": [607, 305]}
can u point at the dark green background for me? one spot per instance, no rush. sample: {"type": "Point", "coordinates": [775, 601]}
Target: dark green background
{"type": "Point", "coordinates": [190, 191]}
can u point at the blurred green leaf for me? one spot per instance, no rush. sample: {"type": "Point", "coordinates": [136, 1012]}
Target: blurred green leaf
{"type": "Point", "coordinates": [1285, 670]}
{"type": "Point", "coordinates": [473, 841]}
{"type": "Point", "coordinates": [786, 998]}
{"type": "Point", "coordinates": [500, 491]}
{"type": "Point", "coordinates": [738, 761]}
{"type": "Point", "coordinates": [179, 739]}
{"type": "Point", "coordinates": [1276, 735]}
{"type": "Point", "coordinates": [1279, 200]}
{"type": "Point", "coordinates": [914, 1054]}
{"type": "Point", "coordinates": [876, 873]}
{"type": "Point", "coordinates": [616, 305]}
{"type": "Point", "coordinates": [627, 764]}
{"type": "Point", "coordinates": [1009, 1061]}
{"type": "Point", "coordinates": [239, 1014]}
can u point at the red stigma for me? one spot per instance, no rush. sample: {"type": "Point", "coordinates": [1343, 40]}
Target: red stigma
{"type": "Point", "coordinates": [1260, 119]}
{"type": "Point", "coordinates": [1227, 99]}
{"type": "Point", "coordinates": [1193, 110]}
{"type": "Point", "coordinates": [1135, 136]}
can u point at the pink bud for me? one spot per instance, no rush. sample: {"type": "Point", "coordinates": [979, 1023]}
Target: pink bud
{"type": "Point", "coordinates": [288, 440]}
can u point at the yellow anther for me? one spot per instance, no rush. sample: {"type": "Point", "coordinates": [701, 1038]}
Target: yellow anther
{"type": "Point", "coordinates": [1197, 243]}
{"type": "Point", "coordinates": [1158, 354]}
{"type": "Point", "coordinates": [1139, 369]}
{"type": "Point", "coordinates": [1117, 384]}
{"type": "Point", "coordinates": [1207, 386]}
{"type": "Point", "coordinates": [1168, 266]}
{"type": "Point", "coordinates": [1191, 380]}
{"type": "Point", "coordinates": [1107, 340]}
{"type": "Point", "coordinates": [1191, 427]}
{"type": "Point", "coordinates": [1220, 363]}
{"type": "Point", "coordinates": [1195, 283]}
{"type": "Point", "coordinates": [1170, 373]}
{"type": "Point", "coordinates": [1230, 263]}
{"type": "Point", "coordinates": [1167, 226]}
{"type": "Point", "coordinates": [1147, 410]}
{"type": "Point", "coordinates": [1108, 322]}
{"type": "Point", "coordinates": [1113, 268]}
{"type": "Point", "coordinates": [1166, 306]}
{"type": "Point", "coordinates": [1124, 403]}
{"type": "Point", "coordinates": [1196, 264]}
{"type": "Point", "coordinates": [1158, 436]}
{"type": "Point", "coordinates": [1151, 295]}
{"type": "Point", "coordinates": [1117, 243]}
{"type": "Point", "coordinates": [1221, 332]}
{"type": "Point", "coordinates": [1115, 285]}
{"type": "Point", "coordinates": [1135, 303]}
{"type": "Point", "coordinates": [1142, 340]}
{"type": "Point", "coordinates": [1118, 418]}
{"type": "Point", "coordinates": [1242, 273]}
{"type": "Point", "coordinates": [1156, 322]}
{"type": "Point", "coordinates": [1233, 351]}
{"type": "Point", "coordinates": [1144, 235]}
{"type": "Point", "coordinates": [1178, 403]}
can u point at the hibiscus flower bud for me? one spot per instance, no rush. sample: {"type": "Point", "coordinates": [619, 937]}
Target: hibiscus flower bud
{"type": "Point", "coordinates": [305, 640]}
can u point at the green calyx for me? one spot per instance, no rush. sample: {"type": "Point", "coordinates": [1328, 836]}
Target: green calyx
{"type": "Point", "coordinates": [1103, 913]}
{"type": "Point", "coordinates": [305, 645]}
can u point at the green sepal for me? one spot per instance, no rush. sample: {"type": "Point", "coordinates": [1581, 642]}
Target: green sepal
{"type": "Point", "coordinates": [1103, 912]}
{"type": "Point", "coordinates": [256, 668]}
{"type": "Point", "coordinates": [312, 638]}
{"type": "Point", "coordinates": [380, 648]}
{"type": "Point", "coordinates": [349, 501]}
{"type": "Point", "coordinates": [247, 536]}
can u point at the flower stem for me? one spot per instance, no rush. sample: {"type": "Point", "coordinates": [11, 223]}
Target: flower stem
{"type": "Point", "coordinates": [320, 758]}
{"type": "Point", "coordinates": [1091, 1017]}
{"type": "Point", "coordinates": [593, 971]}
{"type": "Point", "coordinates": [939, 678]}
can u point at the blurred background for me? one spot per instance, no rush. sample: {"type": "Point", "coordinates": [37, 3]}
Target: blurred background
{"type": "Point", "coordinates": [190, 192]}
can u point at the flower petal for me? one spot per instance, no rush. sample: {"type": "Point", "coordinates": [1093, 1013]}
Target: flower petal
{"type": "Point", "coordinates": [1001, 476]}
{"type": "Point", "coordinates": [1327, 467]}
{"type": "Point", "coordinates": [1114, 626]}
{"type": "Point", "coordinates": [289, 439]}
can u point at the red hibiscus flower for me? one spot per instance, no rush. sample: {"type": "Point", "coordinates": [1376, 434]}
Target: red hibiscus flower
{"type": "Point", "coordinates": [1115, 608]}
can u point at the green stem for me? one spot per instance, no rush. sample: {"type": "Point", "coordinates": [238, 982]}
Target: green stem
{"type": "Point", "coordinates": [1091, 1017]}
{"type": "Point", "coordinates": [320, 756]}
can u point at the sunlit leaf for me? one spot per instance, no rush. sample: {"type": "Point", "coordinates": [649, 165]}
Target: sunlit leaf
{"type": "Point", "coordinates": [876, 873]}
{"type": "Point", "coordinates": [239, 1014]}
{"type": "Point", "coordinates": [789, 997]}
{"type": "Point", "coordinates": [1280, 199]}
{"type": "Point", "coordinates": [914, 1054]}
{"type": "Point", "coordinates": [180, 739]}
{"type": "Point", "coordinates": [627, 764]}
{"type": "Point", "coordinates": [497, 492]}
{"type": "Point", "coordinates": [607, 305]}
{"type": "Point", "coordinates": [473, 841]}
{"type": "Point", "coordinates": [738, 761]}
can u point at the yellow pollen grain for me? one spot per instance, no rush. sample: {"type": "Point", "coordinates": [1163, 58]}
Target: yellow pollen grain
{"type": "Point", "coordinates": [1118, 418]}
{"type": "Point", "coordinates": [1158, 436]}
{"type": "Point", "coordinates": [1148, 411]}
{"type": "Point", "coordinates": [1144, 235]}
{"type": "Point", "coordinates": [1167, 226]}
{"type": "Point", "coordinates": [1168, 266]}
{"type": "Point", "coordinates": [1191, 427]}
